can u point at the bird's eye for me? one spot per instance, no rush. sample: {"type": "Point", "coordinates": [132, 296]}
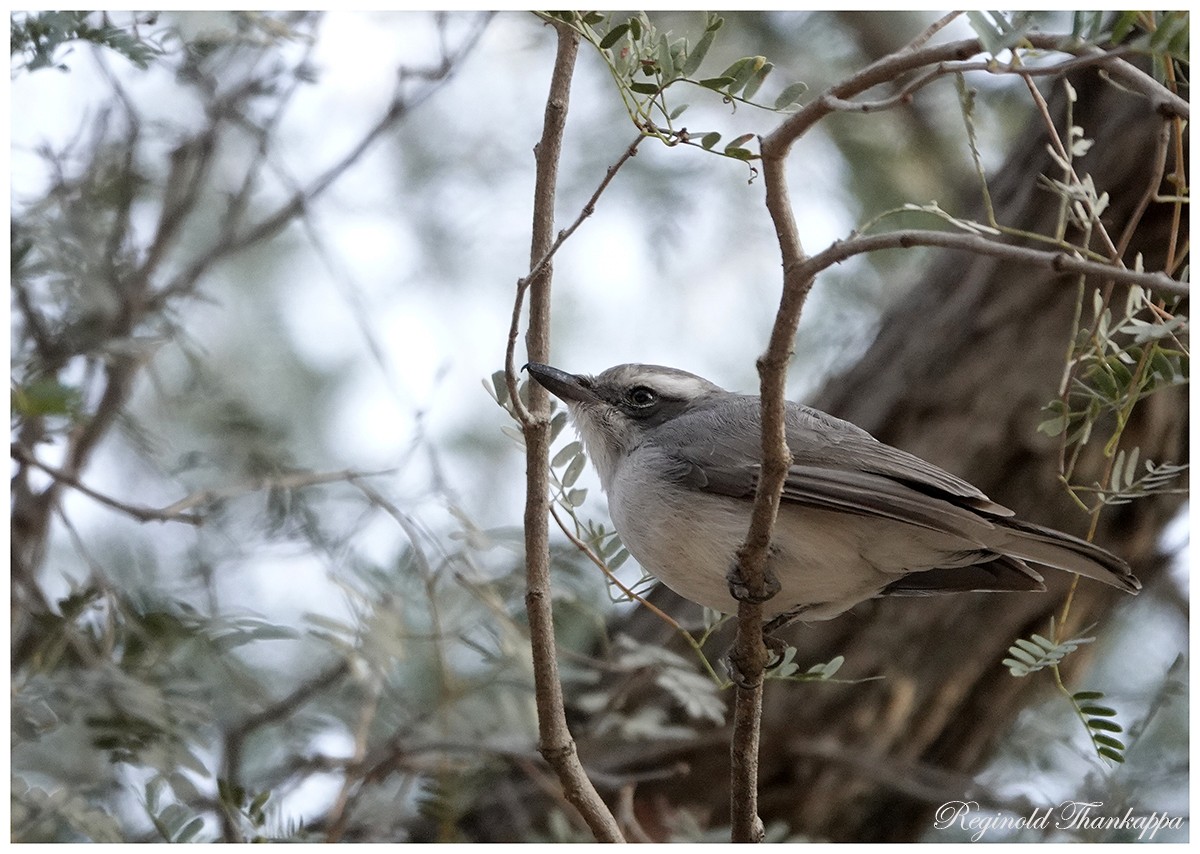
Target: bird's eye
{"type": "Point", "coordinates": [642, 397]}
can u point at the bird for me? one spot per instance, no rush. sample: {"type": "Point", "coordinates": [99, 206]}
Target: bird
{"type": "Point", "coordinates": [678, 459]}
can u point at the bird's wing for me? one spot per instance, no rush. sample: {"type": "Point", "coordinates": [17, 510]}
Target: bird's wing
{"type": "Point", "coordinates": [835, 466]}
{"type": "Point", "coordinates": [842, 490]}
{"type": "Point", "coordinates": [817, 438]}
{"type": "Point", "coordinates": [839, 467]}
{"type": "Point", "coordinates": [989, 576]}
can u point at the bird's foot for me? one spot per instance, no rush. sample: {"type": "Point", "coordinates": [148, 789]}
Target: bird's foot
{"type": "Point", "coordinates": [737, 673]}
{"type": "Point", "coordinates": [776, 654]}
{"type": "Point", "coordinates": [777, 647]}
{"type": "Point", "coordinates": [783, 620]}
{"type": "Point", "coordinates": [740, 591]}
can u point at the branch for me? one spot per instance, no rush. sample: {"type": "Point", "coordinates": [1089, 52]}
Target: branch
{"type": "Point", "coordinates": [236, 737]}
{"type": "Point", "coordinates": [943, 69]}
{"type": "Point", "coordinates": [589, 208]}
{"type": "Point", "coordinates": [178, 512]}
{"type": "Point", "coordinates": [272, 224]}
{"type": "Point", "coordinates": [1059, 262]}
{"type": "Point", "coordinates": [554, 738]}
{"type": "Point", "coordinates": [887, 69]}
{"type": "Point", "coordinates": [141, 513]}
{"type": "Point", "coordinates": [290, 480]}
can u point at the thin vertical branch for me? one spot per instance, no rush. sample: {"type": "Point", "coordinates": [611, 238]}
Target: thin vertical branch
{"type": "Point", "coordinates": [749, 653]}
{"type": "Point", "coordinates": [554, 738]}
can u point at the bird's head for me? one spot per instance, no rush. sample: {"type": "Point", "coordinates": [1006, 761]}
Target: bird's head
{"type": "Point", "coordinates": [615, 410]}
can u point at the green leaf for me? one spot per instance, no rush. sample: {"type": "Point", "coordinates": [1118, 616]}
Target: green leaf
{"type": "Point", "coordinates": [677, 112]}
{"type": "Point", "coordinates": [557, 423]}
{"type": "Point", "coordinates": [697, 54]}
{"type": "Point", "coordinates": [1023, 655]}
{"type": "Point", "coordinates": [514, 434]}
{"type": "Point", "coordinates": [645, 88]}
{"type": "Point", "coordinates": [255, 810]}
{"type": "Point", "coordinates": [1085, 25]}
{"type": "Point", "coordinates": [757, 80]}
{"type": "Point", "coordinates": [716, 83]}
{"type": "Point", "coordinates": [834, 665]}
{"type": "Point", "coordinates": [635, 28]}
{"type": "Point", "coordinates": [1106, 726]}
{"type": "Point", "coordinates": [1109, 753]}
{"type": "Point", "coordinates": [790, 95]}
{"type": "Point", "coordinates": [614, 35]}
{"type": "Point", "coordinates": [1054, 426]}
{"type": "Point", "coordinates": [609, 547]}
{"type": "Point", "coordinates": [568, 452]}
{"type": "Point", "coordinates": [739, 153]}
{"type": "Point", "coordinates": [1084, 696]}
{"type": "Point", "coordinates": [746, 73]}
{"type": "Point", "coordinates": [45, 397]}
{"type": "Point", "coordinates": [500, 385]}
{"type": "Point", "coordinates": [189, 830]}
{"type": "Point", "coordinates": [1098, 711]}
{"type": "Point", "coordinates": [739, 73]}
{"type": "Point", "coordinates": [576, 497]}
{"type": "Point", "coordinates": [619, 558]}
{"type": "Point", "coordinates": [710, 139]}
{"type": "Point", "coordinates": [995, 32]}
{"type": "Point", "coordinates": [666, 62]}
{"type": "Point", "coordinates": [1031, 647]}
{"type": "Point", "coordinates": [573, 470]}
{"type": "Point", "coordinates": [1107, 741]}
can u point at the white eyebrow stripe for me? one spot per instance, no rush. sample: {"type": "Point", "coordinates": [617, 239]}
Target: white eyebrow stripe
{"type": "Point", "coordinates": [669, 382]}
{"type": "Point", "coordinates": [684, 388]}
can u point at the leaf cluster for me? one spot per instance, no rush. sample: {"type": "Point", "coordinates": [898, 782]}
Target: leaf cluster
{"type": "Point", "coordinates": [1036, 653]}
{"type": "Point", "coordinates": [1164, 35]}
{"type": "Point", "coordinates": [625, 712]}
{"type": "Point", "coordinates": [1124, 357]}
{"type": "Point", "coordinates": [40, 37]}
{"type": "Point", "coordinates": [1100, 724]}
{"type": "Point", "coordinates": [1029, 655]}
{"type": "Point", "coordinates": [645, 62]}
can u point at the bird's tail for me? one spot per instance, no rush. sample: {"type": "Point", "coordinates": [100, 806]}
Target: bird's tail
{"type": "Point", "coordinates": [1063, 551]}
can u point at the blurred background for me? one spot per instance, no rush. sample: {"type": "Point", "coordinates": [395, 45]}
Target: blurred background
{"type": "Point", "coordinates": [267, 558]}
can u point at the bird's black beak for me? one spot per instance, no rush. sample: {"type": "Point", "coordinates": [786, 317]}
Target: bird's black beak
{"type": "Point", "coordinates": [564, 386]}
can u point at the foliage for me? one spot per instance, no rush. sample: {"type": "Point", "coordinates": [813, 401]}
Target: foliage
{"type": "Point", "coordinates": [1036, 653]}
{"type": "Point", "coordinates": [40, 37]}
{"type": "Point", "coordinates": [645, 62]}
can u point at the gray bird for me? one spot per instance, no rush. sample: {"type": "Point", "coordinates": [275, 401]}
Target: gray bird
{"type": "Point", "coordinates": [679, 456]}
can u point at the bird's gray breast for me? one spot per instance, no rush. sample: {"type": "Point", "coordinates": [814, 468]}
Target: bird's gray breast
{"type": "Point", "coordinates": [685, 537]}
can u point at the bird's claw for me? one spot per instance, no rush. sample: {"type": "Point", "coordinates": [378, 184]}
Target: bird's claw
{"type": "Point", "coordinates": [737, 676]}
{"type": "Point", "coordinates": [777, 647]}
{"type": "Point", "coordinates": [777, 651]}
{"type": "Point", "coordinates": [740, 591]}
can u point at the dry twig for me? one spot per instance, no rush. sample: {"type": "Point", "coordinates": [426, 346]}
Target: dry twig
{"type": "Point", "coordinates": [554, 738]}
